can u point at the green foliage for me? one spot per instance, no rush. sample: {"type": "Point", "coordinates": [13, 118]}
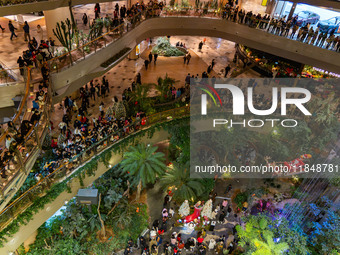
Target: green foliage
{"type": "Point", "coordinates": [214, 4]}
{"type": "Point", "coordinates": [291, 234]}
{"type": "Point", "coordinates": [240, 198]}
{"type": "Point", "coordinates": [198, 4]}
{"type": "Point", "coordinates": [65, 34]}
{"type": "Point", "coordinates": [163, 86]}
{"type": "Point", "coordinates": [139, 97]}
{"type": "Point", "coordinates": [185, 3]}
{"type": "Point", "coordinates": [143, 163]}
{"type": "Point", "coordinates": [180, 138]}
{"type": "Point", "coordinates": [120, 111]}
{"type": "Point", "coordinates": [56, 189]}
{"type": "Point", "coordinates": [96, 29]}
{"type": "Point", "coordinates": [164, 48]}
{"type": "Point", "coordinates": [76, 228]}
{"type": "Point", "coordinates": [325, 234]}
{"type": "Point", "coordinates": [186, 188]}
{"type": "Point", "coordinates": [325, 110]}
{"type": "Point", "coordinates": [257, 237]}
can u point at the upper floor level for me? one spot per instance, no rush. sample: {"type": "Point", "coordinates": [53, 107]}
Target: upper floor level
{"type": "Point", "coordinates": [8, 7]}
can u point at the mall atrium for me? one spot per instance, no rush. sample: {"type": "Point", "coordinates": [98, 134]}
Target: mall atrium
{"type": "Point", "coordinates": [169, 127]}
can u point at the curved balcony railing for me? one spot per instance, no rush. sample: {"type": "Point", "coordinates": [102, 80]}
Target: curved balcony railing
{"type": "Point", "coordinates": [87, 48]}
{"type": "Point", "coordinates": [15, 2]}
{"type": "Point", "coordinates": [66, 169]}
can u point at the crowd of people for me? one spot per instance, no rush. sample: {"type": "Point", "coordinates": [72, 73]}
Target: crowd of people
{"type": "Point", "coordinates": [39, 51]}
{"type": "Point", "coordinates": [36, 56]}
{"type": "Point", "coordinates": [78, 131]}
{"type": "Point", "coordinates": [16, 136]}
{"type": "Point", "coordinates": [283, 26]}
{"type": "Point", "coordinates": [166, 236]}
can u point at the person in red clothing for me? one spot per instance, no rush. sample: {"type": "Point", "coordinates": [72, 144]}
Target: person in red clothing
{"type": "Point", "coordinates": [180, 245]}
{"type": "Point", "coordinates": [200, 240]}
{"type": "Point", "coordinates": [179, 237]}
{"type": "Point", "coordinates": [54, 143]}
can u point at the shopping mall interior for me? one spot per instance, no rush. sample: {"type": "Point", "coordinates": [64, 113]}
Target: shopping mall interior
{"type": "Point", "coordinates": [125, 129]}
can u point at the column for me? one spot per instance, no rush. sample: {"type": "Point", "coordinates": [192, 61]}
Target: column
{"type": "Point", "coordinates": [292, 10]}
{"type": "Point", "coordinates": [54, 16]}
{"type": "Point", "coordinates": [133, 54]}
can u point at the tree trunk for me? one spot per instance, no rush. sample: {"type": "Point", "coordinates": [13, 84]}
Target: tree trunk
{"type": "Point", "coordinates": [102, 230]}
{"type": "Point", "coordinates": [126, 193]}
{"type": "Point", "coordinates": [70, 56]}
{"type": "Point", "coordinates": [139, 189]}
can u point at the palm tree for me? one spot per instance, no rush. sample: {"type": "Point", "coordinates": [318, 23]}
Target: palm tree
{"type": "Point", "coordinates": [144, 164]}
{"type": "Point", "coordinates": [186, 188]}
{"type": "Point", "coordinates": [140, 95]}
{"type": "Point", "coordinates": [163, 86]}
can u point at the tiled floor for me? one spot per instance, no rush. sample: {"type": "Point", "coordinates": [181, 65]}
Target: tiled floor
{"type": "Point", "coordinates": [119, 80]}
{"type": "Point", "coordinates": [11, 50]}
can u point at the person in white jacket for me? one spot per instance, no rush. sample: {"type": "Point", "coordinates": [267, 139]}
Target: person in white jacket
{"type": "Point", "coordinates": [212, 244]}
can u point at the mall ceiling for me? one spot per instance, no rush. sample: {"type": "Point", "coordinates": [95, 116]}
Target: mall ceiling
{"type": "Point", "coordinates": [333, 4]}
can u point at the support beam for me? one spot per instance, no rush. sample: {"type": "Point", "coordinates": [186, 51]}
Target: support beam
{"type": "Point", "coordinates": [54, 16]}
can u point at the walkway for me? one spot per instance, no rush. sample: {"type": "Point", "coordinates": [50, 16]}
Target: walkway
{"type": "Point", "coordinates": [11, 50]}
{"type": "Point", "coordinates": [10, 57]}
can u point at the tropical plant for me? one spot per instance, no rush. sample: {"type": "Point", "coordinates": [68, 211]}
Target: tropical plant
{"type": "Point", "coordinates": [164, 48]}
{"type": "Point", "coordinates": [144, 164]}
{"type": "Point", "coordinates": [214, 4]}
{"type": "Point", "coordinates": [240, 198]}
{"type": "Point", "coordinates": [74, 24]}
{"type": "Point", "coordinates": [257, 237]}
{"type": "Point", "coordinates": [325, 110]}
{"type": "Point", "coordinates": [112, 196]}
{"type": "Point", "coordinates": [96, 29]}
{"type": "Point", "coordinates": [139, 97]}
{"type": "Point", "coordinates": [178, 178]}
{"type": "Point", "coordinates": [292, 234]}
{"type": "Point", "coordinates": [180, 139]}
{"type": "Point", "coordinates": [198, 5]}
{"type": "Point", "coordinates": [119, 109]}
{"type": "Point", "coordinates": [185, 3]}
{"type": "Point", "coordinates": [163, 86]}
{"type": "Point", "coordinates": [206, 7]}
{"type": "Point", "coordinates": [65, 33]}
{"type": "Point", "coordinates": [325, 233]}
{"type": "Point", "coordinates": [269, 247]}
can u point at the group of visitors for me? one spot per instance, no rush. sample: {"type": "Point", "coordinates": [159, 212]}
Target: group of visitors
{"type": "Point", "coordinates": [163, 238]}
{"type": "Point", "coordinates": [121, 13]}
{"type": "Point", "coordinates": [16, 136]}
{"type": "Point", "coordinates": [78, 131]}
{"type": "Point", "coordinates": [283, 27]}
{"type": "Point", "coordinates": [151, 57]}
{"type": "Point", "coordinates": [36, 55]}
